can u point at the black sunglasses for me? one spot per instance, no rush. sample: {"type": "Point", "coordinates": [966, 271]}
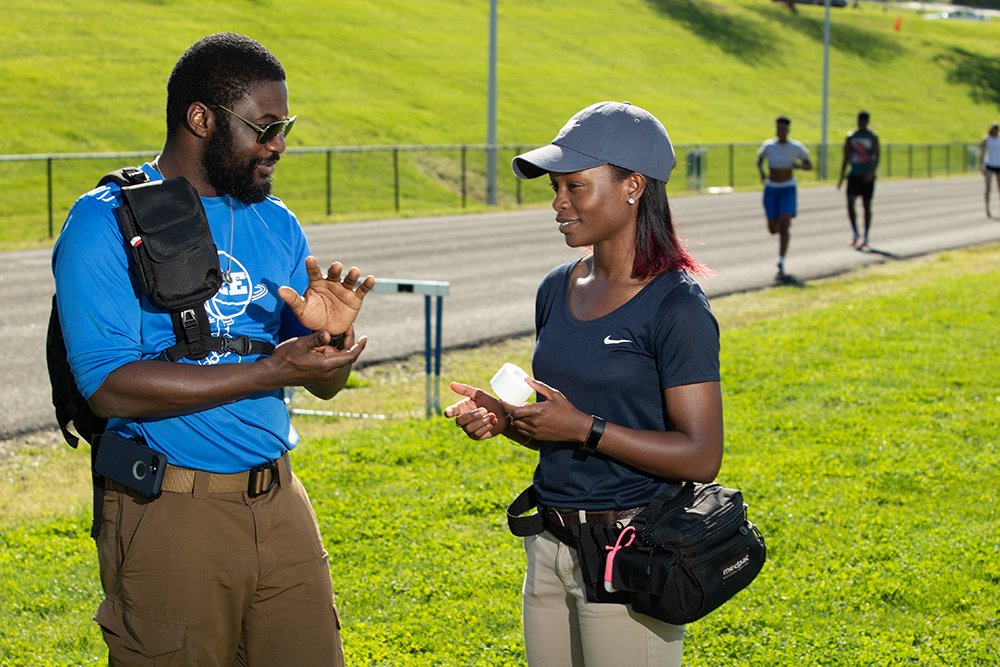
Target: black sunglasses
{"type": "Point", "coordinates": [268, 132]}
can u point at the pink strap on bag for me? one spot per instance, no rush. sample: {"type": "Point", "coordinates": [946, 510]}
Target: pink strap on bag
{"type": "Point", "coordinates": [630, 531]}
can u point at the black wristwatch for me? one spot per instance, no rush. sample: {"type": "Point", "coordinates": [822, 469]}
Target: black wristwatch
{"type": "Point", "coordinates": [338, 341]}
{"type": "Point", "coordinates": [594, 438]}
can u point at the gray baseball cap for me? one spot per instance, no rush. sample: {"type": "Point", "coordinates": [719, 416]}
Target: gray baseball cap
{"type": "Point", "coordinates": [617, 133]}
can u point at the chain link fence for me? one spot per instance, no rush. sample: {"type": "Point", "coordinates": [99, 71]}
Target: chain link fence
{"type": "Point", "coordinates": [356, 182]}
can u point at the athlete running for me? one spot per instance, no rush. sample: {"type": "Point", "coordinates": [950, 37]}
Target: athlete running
{"type": "Point", "coordinates": [783, 156]}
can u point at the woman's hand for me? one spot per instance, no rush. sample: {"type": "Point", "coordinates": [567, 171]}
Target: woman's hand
{"type": "Point", "coordinates": [479, 414]}
{"type": "Point", "coordinates": [692, 451]}
{"type": "Point", "coordinates": [554, 419]}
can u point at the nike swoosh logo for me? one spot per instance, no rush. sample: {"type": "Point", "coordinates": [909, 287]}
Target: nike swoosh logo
{"type": "Point", "coordinates": [611, 341]}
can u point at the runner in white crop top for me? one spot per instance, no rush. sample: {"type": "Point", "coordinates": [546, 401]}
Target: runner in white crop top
{"type": "Point", "coordinates": [783, 155]}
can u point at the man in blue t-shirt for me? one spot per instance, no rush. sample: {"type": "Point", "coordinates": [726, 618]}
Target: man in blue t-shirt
{"type": "Point", "coordinates": [214, 570]}
{"type": "Point", "coordinates": [861, 151]}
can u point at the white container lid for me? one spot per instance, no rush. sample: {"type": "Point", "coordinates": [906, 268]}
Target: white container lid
{"type": "Point", "coordinates": [509, 384]}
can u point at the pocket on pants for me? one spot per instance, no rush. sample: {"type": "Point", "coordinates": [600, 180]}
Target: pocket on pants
{"type": "Point", "coordinates": [151, 638]}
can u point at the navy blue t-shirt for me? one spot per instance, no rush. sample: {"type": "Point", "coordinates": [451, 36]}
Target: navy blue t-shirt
{"type": "Point", "coordinates": [616, 367]}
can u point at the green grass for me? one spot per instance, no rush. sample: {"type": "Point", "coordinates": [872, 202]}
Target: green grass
{"type": "Point", "coordinates": [81, 76]}
{"type": "Point", "coordinates": [91, 77]}
{"type": "Point", "coordinates": [861, 420]}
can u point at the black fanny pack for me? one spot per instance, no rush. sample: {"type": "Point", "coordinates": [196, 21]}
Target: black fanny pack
{"type": "Point", "coordinates": [682, 557]}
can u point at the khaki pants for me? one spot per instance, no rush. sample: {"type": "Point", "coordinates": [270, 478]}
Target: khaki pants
{"type": "Point", "coordinates": [562, 629]}
{"type": "Point", "coordinates": [216, 580]}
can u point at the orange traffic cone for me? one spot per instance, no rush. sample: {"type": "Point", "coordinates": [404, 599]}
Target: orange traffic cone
{"type": "Point", "coordinates": [899, 22]}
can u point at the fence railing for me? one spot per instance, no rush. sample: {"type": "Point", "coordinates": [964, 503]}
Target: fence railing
{"type": "Point", "coordinates": [340, 182]}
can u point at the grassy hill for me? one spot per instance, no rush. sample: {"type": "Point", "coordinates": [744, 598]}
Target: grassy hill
{"type": "Point", "coordinates": [79, 77]}
{"type": "Point", "coordinates": [84, 76]}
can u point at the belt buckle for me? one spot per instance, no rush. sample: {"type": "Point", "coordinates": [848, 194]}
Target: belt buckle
{"type": "Point", "coordinates": [254, 487]}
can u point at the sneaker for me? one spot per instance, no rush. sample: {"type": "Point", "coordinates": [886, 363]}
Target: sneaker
{"type": "Point", "coordinates": [863, 245]}
{"type": "Point", "coordinates": [853, 242]}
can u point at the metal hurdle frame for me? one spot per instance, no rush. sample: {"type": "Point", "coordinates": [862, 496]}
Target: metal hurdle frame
{"type": "Point", "coordinates": [429, 288]}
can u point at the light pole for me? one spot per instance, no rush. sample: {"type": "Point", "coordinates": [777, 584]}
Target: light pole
{"type": "Point", "coordinates": [826, 90]}
{"type": "Point", "coordinates": [491, 113]}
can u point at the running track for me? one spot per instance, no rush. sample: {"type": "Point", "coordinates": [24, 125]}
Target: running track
{"type": "Point", "coordinates": [494, 262]}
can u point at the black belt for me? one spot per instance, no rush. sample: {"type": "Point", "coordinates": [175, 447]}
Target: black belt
{"type": "Point", "coordinates": [567, 517]}
{"type": "Point", "coordinates": [554, 519]}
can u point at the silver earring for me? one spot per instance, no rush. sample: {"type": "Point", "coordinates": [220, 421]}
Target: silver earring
{"type": "Point", "coordinates": [631, 201]}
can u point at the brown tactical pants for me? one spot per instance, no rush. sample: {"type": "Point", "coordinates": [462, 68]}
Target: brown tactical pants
{"type": "Point", "coordinates": [216, 579]}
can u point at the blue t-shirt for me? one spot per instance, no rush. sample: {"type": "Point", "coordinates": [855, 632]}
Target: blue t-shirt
{"type": "Point", "coordinates": [108, 322]}
{"type": "Point", "coordinates": [616, 367]}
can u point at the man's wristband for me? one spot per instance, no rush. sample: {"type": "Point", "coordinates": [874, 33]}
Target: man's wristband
{"type": "Point", "coordinates": [594, 437]}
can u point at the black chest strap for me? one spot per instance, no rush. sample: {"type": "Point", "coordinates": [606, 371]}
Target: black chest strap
{"type": "Point", "coordinates": [195, 340]}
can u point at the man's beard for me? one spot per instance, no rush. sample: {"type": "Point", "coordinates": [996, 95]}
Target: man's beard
{"type": "Point", "coordinates": [226, 175]}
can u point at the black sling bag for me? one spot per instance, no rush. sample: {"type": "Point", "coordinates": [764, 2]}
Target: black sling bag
{"type": "Point", "coordinates": [176, 263]}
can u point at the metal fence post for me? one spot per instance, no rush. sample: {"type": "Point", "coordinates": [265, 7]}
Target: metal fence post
{"type": "Point", "coordinates": [732, 166]}
{"type": "Point", "coordinates": [395, 173]}
{"type": "Point", "coordinates": [49, 179]}
{"type": "Point", "coordinates": [329, 184]}
{"type": "Point", "coordinates": [909, 153]}
{"type": "Point", "coordinates": [517, 181]}
{"type": "Point", "coordinates": [463, 175]}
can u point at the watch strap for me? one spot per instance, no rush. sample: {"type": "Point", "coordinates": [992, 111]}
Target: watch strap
{"type": "Point", "coordinates": [594, 437]}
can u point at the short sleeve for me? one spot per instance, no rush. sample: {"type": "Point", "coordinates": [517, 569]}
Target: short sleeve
{"type": "Point", "coordinates": [298, 280]}
{"type": "Point", "coordinates": [687, 339]}
{"type": "Point", "coordinates": [90, 266]}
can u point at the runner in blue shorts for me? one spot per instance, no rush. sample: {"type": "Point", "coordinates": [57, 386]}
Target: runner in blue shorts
{"type": "Point", "coordinates": [783, 156]}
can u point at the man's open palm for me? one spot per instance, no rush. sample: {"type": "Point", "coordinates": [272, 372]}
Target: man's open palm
{"type": "Point", "coordinates": [329, 303]}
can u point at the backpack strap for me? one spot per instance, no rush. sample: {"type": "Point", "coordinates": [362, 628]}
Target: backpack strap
{"type": "Point", "coordinates": [124, 177]}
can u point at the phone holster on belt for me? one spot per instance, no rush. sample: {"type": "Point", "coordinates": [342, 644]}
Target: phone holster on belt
{"type": "Point", "coordinates": [131, 463]}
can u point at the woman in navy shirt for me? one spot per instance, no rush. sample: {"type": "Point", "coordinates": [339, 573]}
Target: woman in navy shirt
{"type": "Point", "coordinates": [626, 370]}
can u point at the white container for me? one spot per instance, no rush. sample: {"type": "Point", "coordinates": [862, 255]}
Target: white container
{"type": "Point", "coordinates": [509, 384]}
